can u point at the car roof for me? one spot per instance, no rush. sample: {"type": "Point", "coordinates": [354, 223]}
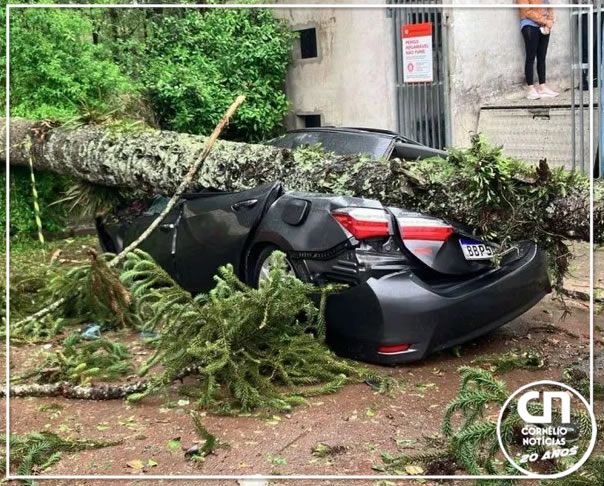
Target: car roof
{"type": "Point", "coordinates": [371, 130]}
{"type": "Point", "coordinates": [374, 131]}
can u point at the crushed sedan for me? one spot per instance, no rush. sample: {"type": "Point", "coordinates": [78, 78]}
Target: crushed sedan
{"type": "Point", "coordinates": [415, 284]}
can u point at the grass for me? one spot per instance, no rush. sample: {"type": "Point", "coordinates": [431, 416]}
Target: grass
{"type": "Point", "coordinates": [30, 266]}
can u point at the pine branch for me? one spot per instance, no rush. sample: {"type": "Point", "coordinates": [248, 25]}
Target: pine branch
{"type": "Point", "coordinates": [34, 452]}
{"type": "Point", "coordinates": [250, 347]}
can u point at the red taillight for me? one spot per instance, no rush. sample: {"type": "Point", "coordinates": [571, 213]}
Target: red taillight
{"type": "Point", "coordinates": [397, 348]}
{"type": "Point", "coordinates": [363, 223]}
{"type": "Point", "coordinates": [424, 229]}
{"type": "Point", "coordinates": [426, 233]}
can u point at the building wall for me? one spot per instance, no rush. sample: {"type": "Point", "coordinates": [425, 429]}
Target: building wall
{"type": "Point", "coordinates": [486, 61]}
{"type": "Point", "coordinates": [352, 82]}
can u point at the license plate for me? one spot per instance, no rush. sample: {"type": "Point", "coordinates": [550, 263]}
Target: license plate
{"type": "Point", "coordinates": [474, 250]}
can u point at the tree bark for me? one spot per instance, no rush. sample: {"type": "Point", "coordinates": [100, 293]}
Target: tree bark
{"type": "Point", "coordinates": [156, 161]}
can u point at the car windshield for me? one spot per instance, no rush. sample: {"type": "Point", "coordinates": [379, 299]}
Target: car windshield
{"type": "Point", "coordinates": [341, 143]}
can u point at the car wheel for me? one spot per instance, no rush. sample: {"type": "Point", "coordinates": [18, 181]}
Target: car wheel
{"type": "Point", "coordinates": [262, 266]}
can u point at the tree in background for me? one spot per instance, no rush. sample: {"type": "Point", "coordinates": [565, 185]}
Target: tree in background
{"type": "Point", "coordinates": [195, 63]}
{"type": "Point", "coordinates": [187, 65]}
{"type": "Point", "coordinates": [57, 71]}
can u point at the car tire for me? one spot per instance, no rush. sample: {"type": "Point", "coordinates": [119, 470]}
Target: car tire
{"type": "Point", "coordinates": [261, 263]}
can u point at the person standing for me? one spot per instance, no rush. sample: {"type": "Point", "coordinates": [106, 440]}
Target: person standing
{"type": "Point", "coordinates": [536, 25]}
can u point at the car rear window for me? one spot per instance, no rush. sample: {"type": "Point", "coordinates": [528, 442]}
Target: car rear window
{"type": "Point", "coordinates": [341, 143]}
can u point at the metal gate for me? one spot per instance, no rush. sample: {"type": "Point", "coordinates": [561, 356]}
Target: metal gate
{"type": "Point", "coordinates": [423, 108]}
{"type": "Point", "coordinates": [581, 79]}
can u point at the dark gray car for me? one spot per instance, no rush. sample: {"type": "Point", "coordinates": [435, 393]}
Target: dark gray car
{"type": "Point", "coordinates": [416, 284]}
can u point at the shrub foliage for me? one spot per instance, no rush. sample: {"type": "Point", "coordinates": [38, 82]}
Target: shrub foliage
{"type": "Point", "coordinates": [178, 69]}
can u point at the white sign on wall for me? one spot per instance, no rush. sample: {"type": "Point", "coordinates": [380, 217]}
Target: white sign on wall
{"type": "Point", "coordinates": [418, 66]}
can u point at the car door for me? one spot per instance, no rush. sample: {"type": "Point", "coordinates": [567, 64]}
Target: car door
{"type": "Point", "coordinates": [161, 243]}
{"type": "Point", "coordinates": [214, 230]}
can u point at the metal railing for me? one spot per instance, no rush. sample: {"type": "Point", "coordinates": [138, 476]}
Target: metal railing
{"type": "Point", "coordinates": [424, 108]}
{"type": "Point", "coordinates": [581, 78]}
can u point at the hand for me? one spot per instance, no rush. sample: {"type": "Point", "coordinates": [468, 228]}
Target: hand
{"type": "Point", "coordinates": [546, 30]}
{"type": "Point", "coordinates": [549, 24]}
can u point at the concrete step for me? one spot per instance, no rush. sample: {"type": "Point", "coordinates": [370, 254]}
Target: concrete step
{"type": "Point", "coordinates": [535, 129]}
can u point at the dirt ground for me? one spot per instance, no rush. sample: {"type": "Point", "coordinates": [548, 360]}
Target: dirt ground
{"type": "Point", "coordinates": [357, 422]}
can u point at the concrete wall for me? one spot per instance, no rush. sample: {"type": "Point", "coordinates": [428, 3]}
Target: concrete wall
{"type": "Point", "coordinates": [486, 61]}
{"type": "Point", "coordinates": [352, 82]}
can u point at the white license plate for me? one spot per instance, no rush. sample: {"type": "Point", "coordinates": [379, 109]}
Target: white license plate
{"type": "Point", "coordinates": [473, 250]}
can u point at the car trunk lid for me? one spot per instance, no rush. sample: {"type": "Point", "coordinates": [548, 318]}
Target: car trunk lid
{"type": "Point", "coordinates": [441, 246]}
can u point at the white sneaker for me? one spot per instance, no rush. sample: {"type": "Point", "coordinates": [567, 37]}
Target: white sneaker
{"type": "Point", "coordinates": [548, 93]}
{"type": "Point", "coordinates": [532, 93]}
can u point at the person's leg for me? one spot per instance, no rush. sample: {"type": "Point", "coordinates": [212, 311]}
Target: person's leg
{"type": "Point", "coordinates": [531, 42]}
{"type": "Point", "coordinates": [542, 44]}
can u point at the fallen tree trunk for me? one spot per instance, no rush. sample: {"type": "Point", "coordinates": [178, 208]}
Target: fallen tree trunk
{"type": "Point", "coordinates": [157, 161]}
{"type": "Point", "coordinates": [150, 160]}
{"type": "Point", "coordinates": [69, 390]}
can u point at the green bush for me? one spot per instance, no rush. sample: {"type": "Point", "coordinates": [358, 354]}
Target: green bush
{"type": "Point", "coordinates": [196, 63]}
{"type": "Point", "coordinates": [56, 68]}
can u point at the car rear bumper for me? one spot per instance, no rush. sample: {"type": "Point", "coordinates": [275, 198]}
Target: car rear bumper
{"type": "Point", "coordinates": [402, 309]}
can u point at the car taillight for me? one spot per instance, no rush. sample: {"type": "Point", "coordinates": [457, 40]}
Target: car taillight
{"type": "Point", "coordinates": [363, 223]}
{"type": "Point", "coordinates": [396, 349]}
{"type": "Point", "coordinates": [424, 229]}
